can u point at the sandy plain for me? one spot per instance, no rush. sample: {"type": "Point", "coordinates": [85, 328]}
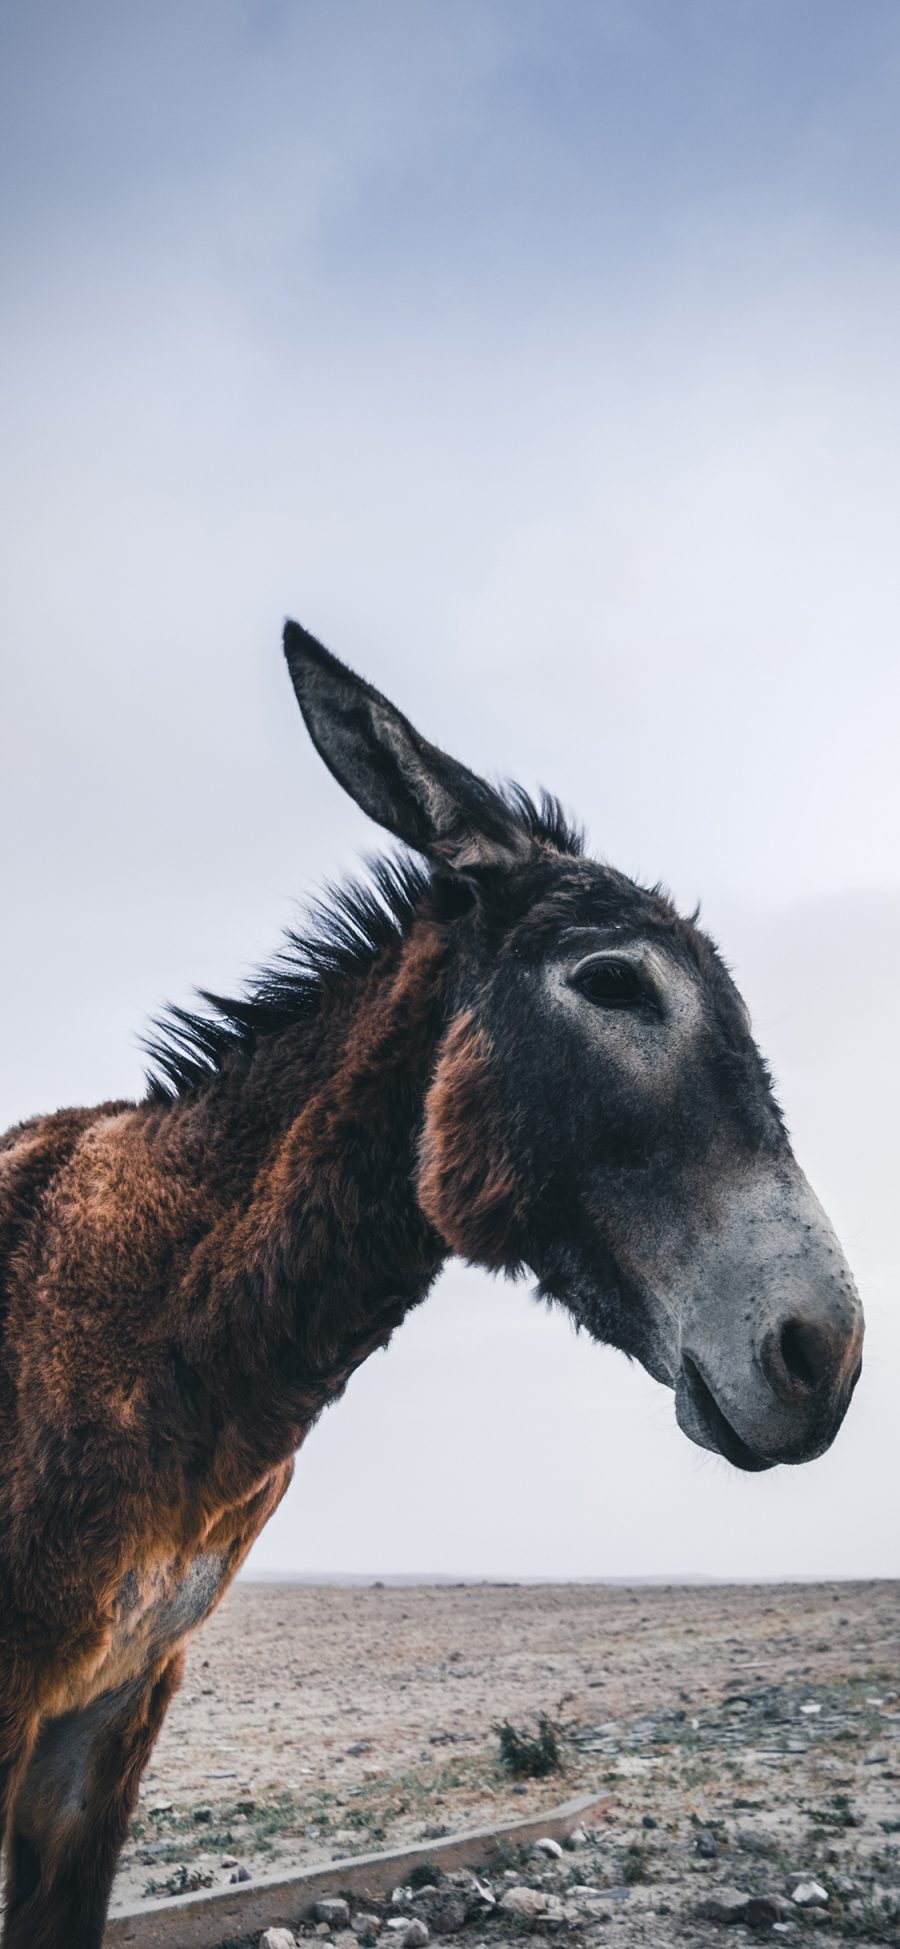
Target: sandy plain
{"type": "Point", "coordinates": [317, 1721]}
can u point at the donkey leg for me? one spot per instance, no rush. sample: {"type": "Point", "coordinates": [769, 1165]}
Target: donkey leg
{"type": "Point", "coordinates": [71, 1813]}
{"type": "Point", "coordinates": [18, 1728]}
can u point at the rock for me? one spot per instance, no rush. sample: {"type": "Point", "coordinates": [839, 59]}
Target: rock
{"type": "Point", "coordinates": [417, 1934]}
{"type": "Point", "coordinates": [527, 1902]}
{"type": "Point", "coordinates": [705, 1844]}
{"type": "Point", "coordinates": [809, 1894]}
{"type": "Point", "coordinates": [333, 1910]}
{"type": "Point", "coordinates": [278, 1939]}
{"type": "Point", "coordinates": [647, 1820]}
{"type": "Point", "coordinates": [447, 1908]}
{"type": "Point", "coordinates": [228, 1861]}
{"type": "Point", "coordinates": [551, 1849]}
{"type": "Point", "coordinates": [365, 1927]}
{"type": "Point", "coordinates": [240, 1874]}
{"type": "Point", "coordinates": [731, 1905]}
{"type": "Point", "coordinates": [576, 1839]}
{"type": "Point", "coordinates": [160, 1807]}
{"type": "Point", "coordinates": [726, 1905]}
{"type": "Point", "coordinates": [843, 1885]}
{"type": "Point", "coordinates": [763, 1911]}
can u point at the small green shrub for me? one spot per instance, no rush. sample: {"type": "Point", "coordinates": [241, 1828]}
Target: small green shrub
{"type": "Point", "coordinates": [528, 1756]}
{"type": "Point", "coordinates": [184, 1881]}
{"type": "Point", "coordinates": [635, 1864]}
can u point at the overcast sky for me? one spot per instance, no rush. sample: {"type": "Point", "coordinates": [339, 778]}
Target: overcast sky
{"type": "Point", "coordinates": [544, 361]}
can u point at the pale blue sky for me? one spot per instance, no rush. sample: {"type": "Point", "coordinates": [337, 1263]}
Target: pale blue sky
{"type": "Point", "coordinates": [542, 358]}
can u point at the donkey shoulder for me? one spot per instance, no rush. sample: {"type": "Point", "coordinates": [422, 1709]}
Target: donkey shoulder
{"type": "Point", "coordinates": [31, 1154]}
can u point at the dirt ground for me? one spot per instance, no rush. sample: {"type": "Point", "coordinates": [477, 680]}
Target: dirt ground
{"type": "Point", "coordinates": [746, 1737]}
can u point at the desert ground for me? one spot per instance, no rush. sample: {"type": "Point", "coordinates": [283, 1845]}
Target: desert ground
{"type": "Point", "coordinates": [747, 1740]}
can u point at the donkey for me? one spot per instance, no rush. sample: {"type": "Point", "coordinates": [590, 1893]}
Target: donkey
{"type": "Point", "coordinates": [497, 1048]}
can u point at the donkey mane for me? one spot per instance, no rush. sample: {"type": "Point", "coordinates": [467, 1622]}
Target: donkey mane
{"type": "Point", "coordinates": [351, 925]}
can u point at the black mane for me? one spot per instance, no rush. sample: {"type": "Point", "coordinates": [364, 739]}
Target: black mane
{"type": "Point", "coordinates": [351, 926]}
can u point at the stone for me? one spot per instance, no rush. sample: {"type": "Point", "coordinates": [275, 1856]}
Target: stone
{"type": "Point", "coordinates": [416, 1935]}
{"type": "Point", "coordinates": [705, 1844]}
{"type": "Point", "coordinates": [578, 1838]}
{"type": "Point", "coordinates": [240, 1874]}
{"type": "Point", "coordinates": [447, 1908]}
{"type": "Point", "coordinates": [647, 1820]}
{"type": "Point", "coordinates": [809, 1894]}
{"type": "Point", "coordinates": [726, 1905]}
{"type": "Point", "coordinates": [550, 1848]}
{"type": "Point", "coordinates": [365, 1927]}
{"type": "Point", "coordinates": [228, 1861]}
{"type": "Point", "coordinates": [763, 1911]}
{"type": "Point", "coordinates": [333, 1910]}
{"type": "Point", "coordinates": [527, 1902]}
{"type": "Point", "coordinates": [278, 1939]}
{"type": "Point", "coordinates": [731, 1905]}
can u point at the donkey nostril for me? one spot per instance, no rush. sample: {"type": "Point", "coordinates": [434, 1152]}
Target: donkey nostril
{"type": "Point", "coordinates": [806, 1351]}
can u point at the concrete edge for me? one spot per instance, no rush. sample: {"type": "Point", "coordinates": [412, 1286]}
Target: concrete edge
{"type": "Point", "coordinates": [202, 1921]}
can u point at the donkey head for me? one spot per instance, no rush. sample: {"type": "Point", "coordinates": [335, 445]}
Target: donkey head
{"type": "Point", "coordinates": [599, 1111]}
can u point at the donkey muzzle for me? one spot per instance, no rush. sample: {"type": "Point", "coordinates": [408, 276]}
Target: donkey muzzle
{"type": "Point", "coordinates": [771, 1345]}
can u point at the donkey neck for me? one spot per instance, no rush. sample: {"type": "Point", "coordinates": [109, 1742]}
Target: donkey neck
{"type": "Point", "coordinates": [323, 1246]}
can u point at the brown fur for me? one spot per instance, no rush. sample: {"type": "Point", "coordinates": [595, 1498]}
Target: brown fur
{"type": "Point", "coordinates": [466, 1186]}
{"type": "Point", "coordinates": [185, 1287]}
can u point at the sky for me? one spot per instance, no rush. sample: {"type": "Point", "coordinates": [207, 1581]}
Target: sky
{"type": "Point", "coordinates": [544, 362]}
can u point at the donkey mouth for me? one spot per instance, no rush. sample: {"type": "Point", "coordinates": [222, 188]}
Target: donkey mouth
{"type": "Point", "coordinates": [701, 1418]}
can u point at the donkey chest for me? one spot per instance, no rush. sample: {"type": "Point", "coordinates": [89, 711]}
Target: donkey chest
{"type": "Point", "coordinates": [157, 1607]}
{"type": "Point", "coordinates": [154, 1609]}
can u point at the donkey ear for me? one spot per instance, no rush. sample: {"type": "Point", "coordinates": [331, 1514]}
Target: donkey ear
{"type": "Point", "coordinates": [399, 779]}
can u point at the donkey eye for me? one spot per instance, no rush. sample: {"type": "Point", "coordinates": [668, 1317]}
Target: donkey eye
{"type": "Point", "coordinates": [611, 984]}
